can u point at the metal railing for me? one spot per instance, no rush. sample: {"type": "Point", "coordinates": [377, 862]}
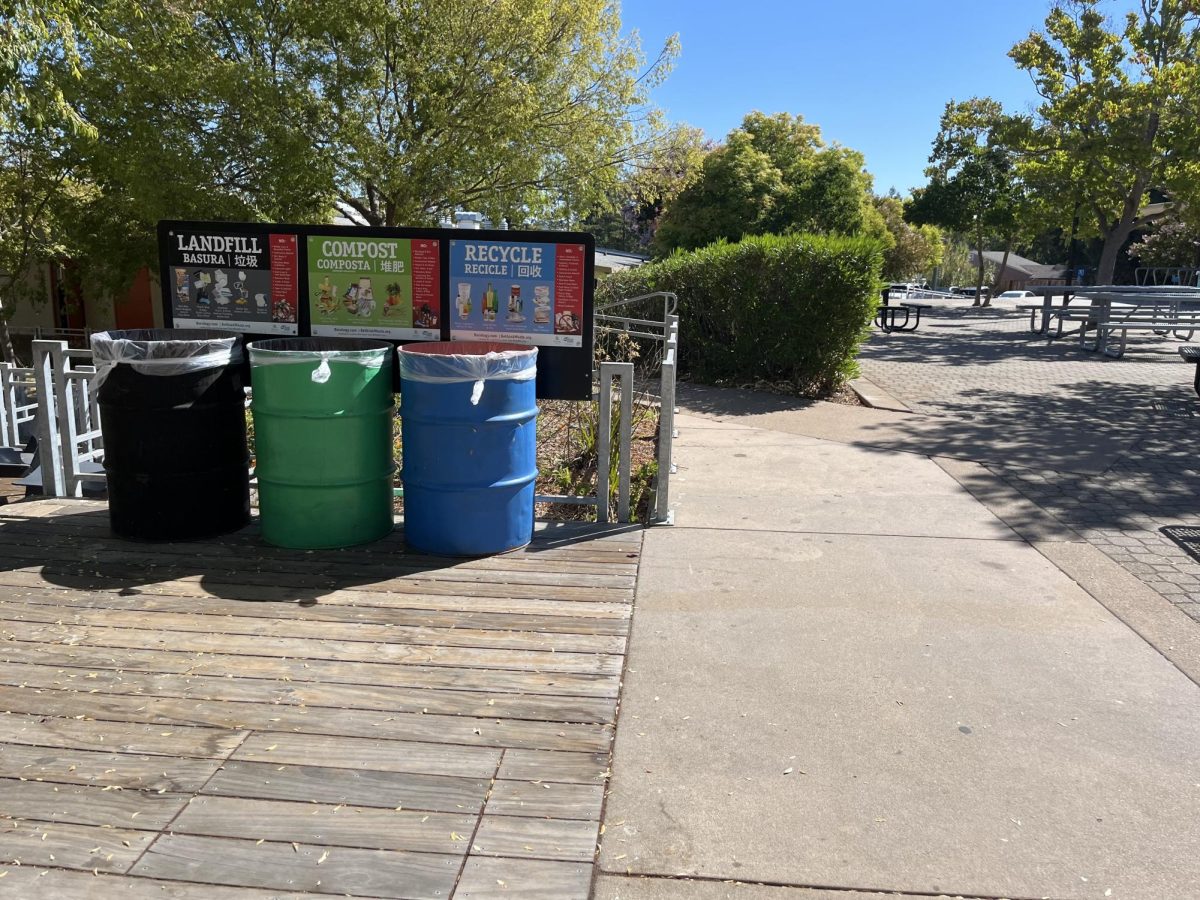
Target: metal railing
{"type": "Point", "coordinates": [68, 419]}
{"type": "Point", "coordinates": [609, 371]}
{"type": "Point", "coordinates": [666, 332]}
{"type": "Point", "coordinates": [18, 403]}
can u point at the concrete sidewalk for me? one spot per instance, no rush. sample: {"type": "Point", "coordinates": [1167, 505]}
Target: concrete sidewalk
{"type": "Point", "coordinates": [848, 676]}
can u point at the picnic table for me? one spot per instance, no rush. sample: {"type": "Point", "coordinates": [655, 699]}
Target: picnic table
{"type": "Point", "coordinates": [1129, 293]}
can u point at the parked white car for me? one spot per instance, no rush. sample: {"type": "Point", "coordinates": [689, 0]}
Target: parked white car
{"type": "Point", "coordinates": [1016, 295]}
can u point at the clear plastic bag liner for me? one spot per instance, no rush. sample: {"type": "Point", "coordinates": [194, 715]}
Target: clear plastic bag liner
{"type": "Point", "coordinates": [372, 357]}
{"type": "Point", "coordinates": [151, 352]}
{"type": "Point", "coordinates": [451, 368]}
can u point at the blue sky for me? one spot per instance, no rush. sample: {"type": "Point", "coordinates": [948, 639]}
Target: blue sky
{"type": "Point", "coordinates": [874, 74]}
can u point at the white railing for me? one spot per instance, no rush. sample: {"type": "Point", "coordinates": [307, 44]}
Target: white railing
{"type": "Point", "coordinates": [68, 419]}
{"type": "Point", "coordinates": [666, 332]}
{"type": "Point", "coordinates": [18, 405]}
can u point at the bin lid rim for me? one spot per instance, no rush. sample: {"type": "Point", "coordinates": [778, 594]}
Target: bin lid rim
{"type": "Point", "coordinates": [466, 348]}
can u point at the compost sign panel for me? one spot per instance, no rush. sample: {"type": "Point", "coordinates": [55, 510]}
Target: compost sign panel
{"type": "Point", "coordinates": [376, 287]}
{"type": "Point", "coordinates": [232, 279]}
{"type": "Point", "coordinates": [519, 291]}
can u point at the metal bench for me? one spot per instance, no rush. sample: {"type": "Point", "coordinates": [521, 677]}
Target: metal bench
{"type": "Point", "coordinates": [1191, 353]}
{"type": "Point", "coordinates": [1157, 318]}
{"type": "Point", "coordinates": [885, 316]}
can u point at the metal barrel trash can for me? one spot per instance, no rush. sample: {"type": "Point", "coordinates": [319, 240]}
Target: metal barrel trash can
{"type": "Point", "coordinates": [323, 410]}
{"type": "Point", "coordinates": [468, 414]}
{"type": "Point", "coordinates": [173, 420]}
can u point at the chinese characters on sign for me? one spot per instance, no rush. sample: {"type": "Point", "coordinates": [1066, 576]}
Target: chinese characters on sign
{"type": "Point", "coordinates": [374, 287]}
{"type": "Point", "coordinates": [245, 282]}
{"type": "Point", "coordinates": [525, 293]}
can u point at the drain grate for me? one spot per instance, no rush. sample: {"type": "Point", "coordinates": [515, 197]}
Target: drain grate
{"type": "Point", "coordinates": [1186, 536]}
{"type": "Point", "coordinates": [1176, 409]}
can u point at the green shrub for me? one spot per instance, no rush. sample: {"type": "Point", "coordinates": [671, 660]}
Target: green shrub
{"type": "Point", "coordinates": [788, 308]}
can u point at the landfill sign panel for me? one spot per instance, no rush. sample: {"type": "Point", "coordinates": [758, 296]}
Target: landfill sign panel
{"type": "Point", "coordinates": [233, 280]}
{"type": "Point", "coordinates": [376, 287]}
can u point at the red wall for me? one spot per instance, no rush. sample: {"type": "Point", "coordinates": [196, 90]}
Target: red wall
{"type": "Point", "coordinates": [135, 309]}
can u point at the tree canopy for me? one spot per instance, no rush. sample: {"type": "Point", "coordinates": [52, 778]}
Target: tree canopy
{"type": "Point", "coordinates": [391, 113]}
{"type": "Point", "coordinates": [774, 174]}
{"type": "Point", "coordinates": [1118, 120]}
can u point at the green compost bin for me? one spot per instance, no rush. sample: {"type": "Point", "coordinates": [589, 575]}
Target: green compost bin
{"type": "Point", "coordinates": [323, 412]}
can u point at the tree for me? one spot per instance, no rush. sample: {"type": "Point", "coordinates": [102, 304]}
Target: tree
{"type": "Point", "coordinates": [912, 250]}
{"type": "Point", "coordinates": [436, 106]}
{"type": "Point", "coordinates": [773, 174]}
{"type": "Point", "coordinates": [265, 110]}
{"type": "Point", "coordinates": [972, 188]}
{"type": "Point", "coordinates": [629, 217]}
{"type": "Point", "coordinates": [1119, 113]}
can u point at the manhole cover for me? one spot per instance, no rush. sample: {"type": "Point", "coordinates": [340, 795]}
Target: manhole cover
{"type": "Point", "coordinates": [1186, 536]}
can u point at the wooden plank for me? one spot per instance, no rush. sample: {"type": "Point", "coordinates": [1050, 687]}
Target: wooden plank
{"type": "Point", "coordinates": [86, 805]}
{"type": "Point", "coordinates": [539, 765]}
{"type": "Point", "coordinates": [282, 748]}
{"type": "Point", "coordinates": [41, 730]}
{"type": "Point", "coordinates": [33, 882]}
{"type": "Point", "coordinates": [304, 867]}
{"type": "Point", "coordinates": [124, 770]}
{"type": "Point", "coordinates": [396, 616]}
{"type": "Point", "coordinates": [316, 784]}
{"type": "Point", "coordinates": [476, 599]}
{"type": "Point", "coordinates": [298, 627]}
{"type": "Point", "coordinates": [550, 800]}
{"type": "Point", "coordinates": [486, 878]}
{"type": "Point", "coordinates": [315, 694]}
{"type": "Point", "coordinates": [91, 545]}
{"type": "Point", "coordinates": [133, 566]}
{"type": "Point", "coordinates": [266, 645]}
{"type": "Point", "coordinates": [169, 711]}
{"type": "Point", "coordinates": [365, 827]}
{"type": "Point", "coordinates": [576, 684]}
{"type": "Point", "coordinates": [138, 579]}
{"type": "Point", "coordinates": [33, 844]}
{"type": "Point", "coordinates": [546, 799]}
{"type": "Point", "coordinates": [559, 839]}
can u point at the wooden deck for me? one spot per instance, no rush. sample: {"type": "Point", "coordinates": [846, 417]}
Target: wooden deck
{"type": "Point", "coordinates": [365, 723]}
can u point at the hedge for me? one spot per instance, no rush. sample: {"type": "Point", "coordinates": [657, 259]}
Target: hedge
{"type": "Point", "coordinates": [788, 308]}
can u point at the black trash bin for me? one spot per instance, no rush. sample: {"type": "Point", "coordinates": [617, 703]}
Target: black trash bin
{"type": "Point", "coordinates": [172, 414]}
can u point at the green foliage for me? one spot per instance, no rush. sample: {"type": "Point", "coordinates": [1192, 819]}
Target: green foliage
{"type": "Point", "coordinates": [911, 250]}
{"type": "Point", "coordinates": [774, 174]}
{"type": "Point", "coordinates": [780, 308]}
{"type": "Point", "coordinates": [1118, 118]}
{"type": "Point", "coordinates": [250, 110]}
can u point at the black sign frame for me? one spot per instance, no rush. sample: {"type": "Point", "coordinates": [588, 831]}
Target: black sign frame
{"type": "Point", "coordinates": [564, 373]}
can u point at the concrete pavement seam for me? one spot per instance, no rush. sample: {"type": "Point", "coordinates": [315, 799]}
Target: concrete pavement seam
{"type": "Point", "coordinates": [891, 892]}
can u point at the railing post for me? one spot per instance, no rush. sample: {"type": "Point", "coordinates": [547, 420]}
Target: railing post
{"type": "Point", "coordinates": [603, 442]}
{"type": "Point", "coordinates": [666, 423]}
{"type": "Point", "coordinates": [47, 362]}
{"type": "Point", "coordinates": [625, 432]}
{"type": "Point", "coordinates": [8, 413]}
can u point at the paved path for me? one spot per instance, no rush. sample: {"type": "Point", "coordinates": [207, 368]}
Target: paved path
{"type": "Point", "coordinates": [848, 676]}
{"type": "Point", "coordinates": [980, 370]}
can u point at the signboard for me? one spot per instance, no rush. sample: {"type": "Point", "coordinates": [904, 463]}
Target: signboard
{"type": "Point", "coordinates": [523, 292]}
{"type": "Point", "coordinates": [398, 284]}
{"type": "Point", "coordinates": [235, 279]}
{"type": "Point", "coordinates": [374, 287]}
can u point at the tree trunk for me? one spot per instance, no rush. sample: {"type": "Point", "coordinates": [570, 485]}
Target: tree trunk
{"type": "Point", "coordinates": [1008, 242]}
{"type": "Point", "coordinates": [1113, 242]}
{"type": "Point", "coordinates": [6, 346]}
{"type": "Point", "coordinates": [979, 269]}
